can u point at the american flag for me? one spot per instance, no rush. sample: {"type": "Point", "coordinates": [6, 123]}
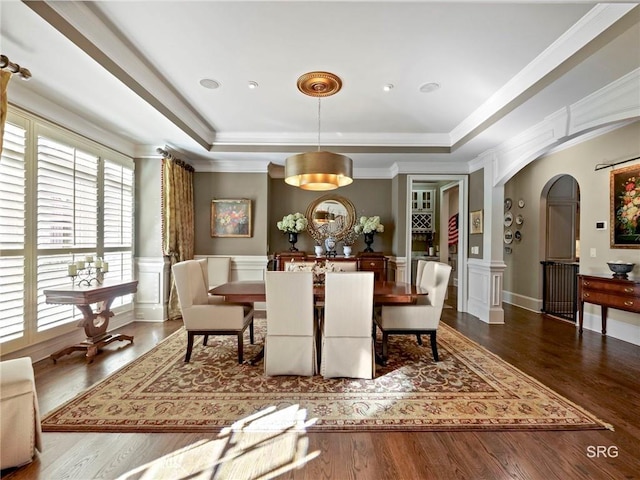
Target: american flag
{"type": "Point", "coordinates": [453, 229]}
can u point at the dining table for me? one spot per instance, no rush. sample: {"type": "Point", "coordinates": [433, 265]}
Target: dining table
{"type": "Point", "coordinates": [384, 293]}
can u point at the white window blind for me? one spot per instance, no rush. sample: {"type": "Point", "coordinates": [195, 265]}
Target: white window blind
{"type": "Point", "coordinates": [12, 232]}
{"type": "Point", "coordinates": [52, 273]}
{"type": "Point", "coordinates": [67, 196]}
{"type": "Point", "coordinates": [118, 224]}
{"type": "Point", "coordinates": [12, 187]}
{"type": "Point", "coordinates": [61, 200]}
{"type": "Point", "coordinates": [118, 205]}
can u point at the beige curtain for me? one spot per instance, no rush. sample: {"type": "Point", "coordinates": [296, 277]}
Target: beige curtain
{"type": "Point", "coordinates": [177, 219]}
{"type": "Point", "coordinates": [4, 104]}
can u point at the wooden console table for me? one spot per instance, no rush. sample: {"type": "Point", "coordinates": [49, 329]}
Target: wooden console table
{"type": "Point", "coordinates": [95, 323]}
{"type": "Point", "coordinates": [608, 292]}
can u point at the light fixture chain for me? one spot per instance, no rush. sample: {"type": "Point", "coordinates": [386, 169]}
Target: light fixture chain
{"type": "Point", "coordinates": [318, 123]}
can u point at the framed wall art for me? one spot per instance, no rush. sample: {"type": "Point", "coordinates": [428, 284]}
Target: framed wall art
{"type": "Point", "coordinates": [625, 207]}
{"type": "Point", "coordinates": [475, 220]}
{"type": "Point", "coordinates": [231, 218]}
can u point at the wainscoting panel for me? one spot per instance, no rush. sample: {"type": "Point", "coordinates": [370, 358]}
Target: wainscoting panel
{"type": "Point", "coordinates": [485, 290]}
{"type": "Point", "coordinates": [153, 289]}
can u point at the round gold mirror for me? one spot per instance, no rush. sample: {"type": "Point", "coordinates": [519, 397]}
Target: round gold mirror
{"type": "Point", "coordinates": [330, 216]}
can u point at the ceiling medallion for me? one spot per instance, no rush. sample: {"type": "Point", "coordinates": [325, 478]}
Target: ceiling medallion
{"type": "Point", "coordinates": [320, 170]}
{"type": "Point", "coordinates": [319, 84]}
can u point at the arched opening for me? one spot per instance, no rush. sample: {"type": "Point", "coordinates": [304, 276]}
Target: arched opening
{"type": "Point", "coordinates": [561, 240]}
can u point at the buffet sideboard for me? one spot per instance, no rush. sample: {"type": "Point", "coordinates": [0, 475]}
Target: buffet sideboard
{"type": "Point", "coordinates": [375, 262]}
{"type": "Point", "coordinates": [608, 292]}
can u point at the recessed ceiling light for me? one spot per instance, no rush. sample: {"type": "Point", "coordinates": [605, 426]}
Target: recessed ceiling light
{"type": "Point", "coordinates": [429, 87]}
{"type": "Point", "coordinates": [209, 83]}
{"type": "Point", "coordinates": [253, 84]}
{"type": "Point", "coordinates": [388, 87]}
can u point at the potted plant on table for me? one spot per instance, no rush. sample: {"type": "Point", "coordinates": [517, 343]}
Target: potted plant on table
{"type": "Point", "coordinates": [293, 224]}
{"type": "Point", "coordinates": [369, 226]}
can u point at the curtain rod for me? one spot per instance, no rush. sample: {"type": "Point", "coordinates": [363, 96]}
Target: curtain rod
{"type": "Point", "coordinates": [600, 166]}
{"type": "Point", "coordinates": [166, 154]}
{"type": "Point", "coordinates": [6, 64]}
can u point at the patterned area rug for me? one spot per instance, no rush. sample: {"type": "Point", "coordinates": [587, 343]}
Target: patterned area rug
{"type": "Point", "coordinates": [469, 389]}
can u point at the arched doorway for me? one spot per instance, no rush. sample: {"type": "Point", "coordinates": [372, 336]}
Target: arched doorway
{"type": "Point", "coordinates": [562, 236]}
{"type": "Point", "coordinates": [561, 240]}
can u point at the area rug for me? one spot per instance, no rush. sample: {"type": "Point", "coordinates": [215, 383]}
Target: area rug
{"type": "Point", "coordinates": [468, 389]}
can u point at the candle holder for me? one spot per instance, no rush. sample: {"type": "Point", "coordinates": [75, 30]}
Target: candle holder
{"type": "Point", "coordinates": [88, 271]}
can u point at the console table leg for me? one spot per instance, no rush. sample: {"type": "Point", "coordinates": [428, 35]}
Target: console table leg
{"type": "Point", "coordinates": [604, 319]}
{"type": "Point", "coordinates": [580, 316]}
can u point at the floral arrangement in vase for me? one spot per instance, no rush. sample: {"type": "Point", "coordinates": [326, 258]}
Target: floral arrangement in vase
{"type": "Point", "coordinates": [293, 224]}
{"type": "Point", "coordinates": [369, 226]}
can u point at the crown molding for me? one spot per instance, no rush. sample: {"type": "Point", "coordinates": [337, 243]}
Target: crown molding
{"type": "Point", "coordinates": [514, 92]}
{"type": "Point", "coordinates": [82, 25]}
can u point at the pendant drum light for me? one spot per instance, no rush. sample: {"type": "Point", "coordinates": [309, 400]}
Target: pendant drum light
{"type": "Point", "coordinates": [320, 170]}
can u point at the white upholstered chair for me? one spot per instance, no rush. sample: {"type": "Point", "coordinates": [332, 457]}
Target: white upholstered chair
{"type": "Point", "coordinates": [422, 318]}
{"type": "Point", "coordinates": [20, 431]}
{"type": "Point", "coordinates": [217, 271]}
{"type": "Point", "coordinates": [341, 266]}
{"type": "Point", "coordinates": [289, 346]}
{"type": "Point", "coordinates": [347, 344]}
{"type": "Point", "coordinates": [203, 318]}
{"type": "Point", "coordinates": [299, 266]}
{"type": "Point", "coordinates": [419, 269]}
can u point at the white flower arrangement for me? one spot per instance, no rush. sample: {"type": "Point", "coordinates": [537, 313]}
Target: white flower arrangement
{"type": "Point", "coordinates": [293, 223]}
{"type": "Point", "coordinates": [369, 225]}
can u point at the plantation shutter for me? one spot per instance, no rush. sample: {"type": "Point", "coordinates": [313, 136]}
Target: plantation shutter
{"type": "Point", "coordinates": [12, 233]}
{"type": "Point", "coordinates": [118, 223]}
{"type": "Point", "coordinates": [67, 214]}
{"type": "Point", "coordinates": [67, 196]}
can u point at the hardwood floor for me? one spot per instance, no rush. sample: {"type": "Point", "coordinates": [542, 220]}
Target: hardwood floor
{"type": "Point", "coordinates": [598, 373]}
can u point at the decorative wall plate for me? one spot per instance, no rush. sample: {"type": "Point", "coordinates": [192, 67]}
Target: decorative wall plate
{"type": "Point", "coordinates": [508, 236]}
{"type": "Point", "coordinates": [508, 219]}
{"type": "Point", "coordinates": [518, 235]}
{"type": "Point", "coordinates": [519, 219]}
{"type": "Point", "coordinates": [507, 204]}
{"type": "Point", "coordinates": [521, 203]}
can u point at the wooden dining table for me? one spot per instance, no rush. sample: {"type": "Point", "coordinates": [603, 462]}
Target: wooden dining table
{"type": "Point", "coordinates": [384, 293]}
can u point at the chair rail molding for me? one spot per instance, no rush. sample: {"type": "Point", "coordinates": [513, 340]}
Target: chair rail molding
{"type": "Point", "coordinates": [485, 290]}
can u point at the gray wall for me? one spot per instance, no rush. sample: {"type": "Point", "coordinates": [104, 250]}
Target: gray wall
{"type": "Point", "coordinates": [209, 186]}
{"type": "Point", "coordinates": [529, 184]}
{"type": "Point", "coordinates": [148, 233]}
{"type": "Point", "coordinates": [370, 197]}
{"type": "Point", "coordinates": [476, 202]}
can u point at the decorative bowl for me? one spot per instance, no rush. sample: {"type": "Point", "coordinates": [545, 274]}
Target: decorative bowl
{"type": "Point", "coordinates": [620, 269]}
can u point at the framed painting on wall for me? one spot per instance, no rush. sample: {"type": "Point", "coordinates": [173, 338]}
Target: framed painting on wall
{"type": "Point", "coordinates": [475, 220]}
{"type": "Point", "coordinates": [231, 218]}
{"type": "Point", "coordinates": [625, 207]}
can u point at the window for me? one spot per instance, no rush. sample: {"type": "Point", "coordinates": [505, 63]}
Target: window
{"type": "Point", "coordinates": [12, 232]}
{"type": "Point", "coordinates": [63, 198]}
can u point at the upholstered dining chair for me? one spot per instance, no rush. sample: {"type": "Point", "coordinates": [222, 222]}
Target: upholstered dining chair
{"type": "Point", "coordinates": [217, 271]}
{"type": "Point", "coordinates": [421, 318]}
{"type": "Point", "coordinates": [299, 266]}
{"type": "Point", "coordinates": [347, 344]}
{"type": "Point", "coordinates": [203, 318]}
{"type": "Point", "coordinates": [341, 266]}
{"type": "Point", "coordinates": [290, 343]}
